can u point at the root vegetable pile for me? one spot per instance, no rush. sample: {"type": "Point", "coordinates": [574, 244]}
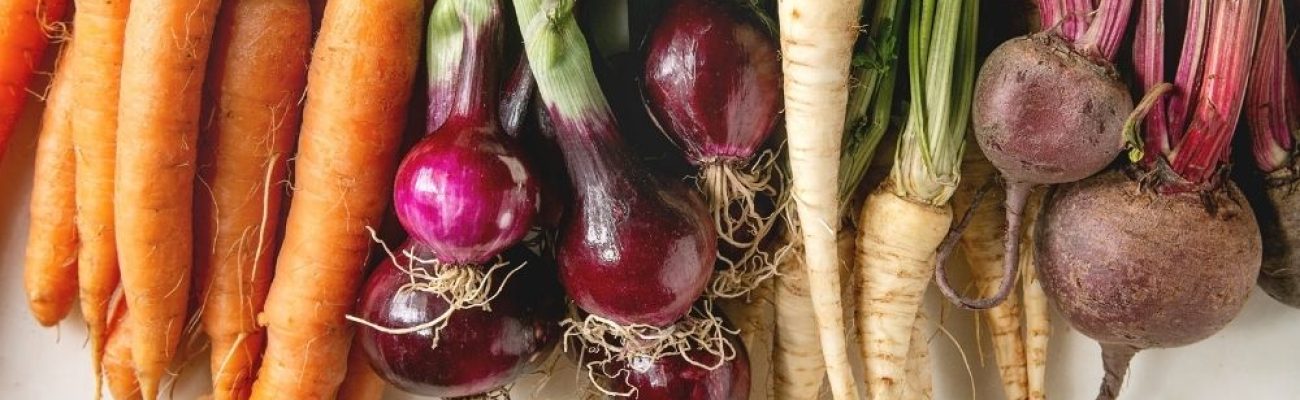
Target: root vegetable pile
{"type": "Point", "coordinates": [338, 199]}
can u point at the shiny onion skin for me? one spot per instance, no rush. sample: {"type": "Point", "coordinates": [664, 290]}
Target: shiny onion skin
{"type": "Point", "coordinates": [478, 350]}
{"type": "Point", "coordinates": [674, 378]}
{"type": "Point", "coordinates": [713, 79]}
{"type": "Point", "coordinates": [468, 190]}
{"type": "Point", "coordinates": [637, 249]}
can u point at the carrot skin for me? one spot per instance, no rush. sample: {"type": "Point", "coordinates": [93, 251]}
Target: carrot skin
{"type": "Point", "coordinates": [166, 52]}
{"type": "Point", "coordinates": [23, 39]}
{"type": "Point", "coordinates": [50, 272]}
{"type": "Point", "coordinates": [358, 89]}
{"type": "Point", "coordinates": [257, 75]}
{"type": "Point", "coordinates": [361, 382]}
{"type": "Point", "coordinates": [119, 370]}
{"type": "Point", "coordinates": [102, 25]}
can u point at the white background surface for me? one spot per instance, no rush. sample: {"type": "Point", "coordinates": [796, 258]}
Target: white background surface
{"type": "Point", "coordinates": [1256, 357]}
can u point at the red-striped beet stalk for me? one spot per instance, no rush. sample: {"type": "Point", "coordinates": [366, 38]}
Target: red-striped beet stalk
{"type": "Point", "coordinates": [1271, 112]}
{"type": "Point", "coordinates": [1165, 255]}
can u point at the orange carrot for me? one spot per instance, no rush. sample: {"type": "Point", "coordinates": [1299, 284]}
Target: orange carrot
{"type": "Point", "coordinates": [101, 24]}
{"type": "Point", "coordinates": [119, 370]}
{"type": "Point", "coordinates": [358, 88]}
{"type": "Point", "coordinates": [50, 274]}
{"type": "Point", "coordinates": [23, 38]}
{"type": "Point", "coordinates": [259, 69]}
{"type": "Point", "coordinates": [157, 135]}
{"type": "Point", "coordinates": [361, 382]}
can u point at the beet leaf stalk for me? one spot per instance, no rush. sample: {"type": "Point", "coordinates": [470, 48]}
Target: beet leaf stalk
{"type": "Point", "coordinates": [1271, 114]}
{"type": "Point", "coordinates": [1167, 255]}
{"type": "Point", "coordinates": [628, 229]}
{"type": "Point", "coordinates": [904, 220]}
{"type": "Point", "coordinates": [1049, 108]}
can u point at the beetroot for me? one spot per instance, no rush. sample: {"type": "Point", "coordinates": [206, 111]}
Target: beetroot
{"type": "Point", "coordinates": [478, 350]}
{"type": "Point", "coordinates": [1280, 223]}
{"type": "Point", "coordinates": [1106, 236]}
{"type": "Point", "coordinates": [1048, 108]}
{"type": "Point", "coordinates": [1135, 269]}
{"type": "Point", "coordinates": [1046, 114]}
{"type": "Point", "coordinates": [1165, 256]}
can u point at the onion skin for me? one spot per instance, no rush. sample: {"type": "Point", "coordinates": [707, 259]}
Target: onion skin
{"type": "Point", "coordinates": [713, 79]}
{"type": "Point", "coordinates": [468, 190]}
{"type": "Point", "coordinates": [637, 249]}
{"type": "Point", "coordinates": [673, 378]}
{"type": "Point", "coordinates": [478, 350]}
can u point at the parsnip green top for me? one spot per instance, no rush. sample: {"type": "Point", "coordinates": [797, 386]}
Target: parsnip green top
{"type": "Point", "coordinates": [941, 69]}
{"type": "Point", "coordinates": [872, 95]}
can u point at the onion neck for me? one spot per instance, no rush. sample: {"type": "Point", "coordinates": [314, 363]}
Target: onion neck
{"type": "Point", "coordinates": [444, 45]}
{"type": "Point", "coordinates": [587, 130]}
{"type": "Point", "coordinates": [476, 94]}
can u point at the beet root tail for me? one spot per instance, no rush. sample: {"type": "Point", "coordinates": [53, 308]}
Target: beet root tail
{"type": "Point", "coordinates": [1115, 360]}
{"type": "Point", "coordinates": [1017, 197]}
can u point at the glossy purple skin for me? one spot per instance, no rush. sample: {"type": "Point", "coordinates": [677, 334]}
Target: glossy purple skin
{"type": "Point", "coordinates": [466, 191]}
{"type": "Point", "coordinates": [635, 248]}
{"type": "Point", "coordinates": [478, 350]}
{"type": "Point", "coordinates": [674, 378]}
{"type": "Point", "coordinates": [712, 79]}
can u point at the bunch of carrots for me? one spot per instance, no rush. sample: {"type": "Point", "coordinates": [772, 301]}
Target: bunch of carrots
{"type": "Point", "coordinates": [210, 175]}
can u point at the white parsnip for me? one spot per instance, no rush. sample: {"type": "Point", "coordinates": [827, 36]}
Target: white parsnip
{"type": "Point", "coordinates": [920, 379]}
{"type": "Point", "coordinates": [797, 364]}
{"type": "Point", "coordinates": [906, 219]}
{"type": "Point", "coordinates": [753, 315]}
{"type": "Point", "coordinates": [817, 39]}
{"type": "Point", "coordinates": [983, 247]}
{"type": "Point", "coordinates": [896, 245]}
{"type": "Point", "coordinates": [1038, 324]}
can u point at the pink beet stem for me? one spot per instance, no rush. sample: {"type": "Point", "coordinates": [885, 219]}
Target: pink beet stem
{"type": "Point", "coordinates": [1202, 151]}
{"type": "Point", "coordinates": [1102, 37]}
{"type": "Point", "coordinates": [1149, 60]}
{"type": "Point", "coordinates": [1268, 107]}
